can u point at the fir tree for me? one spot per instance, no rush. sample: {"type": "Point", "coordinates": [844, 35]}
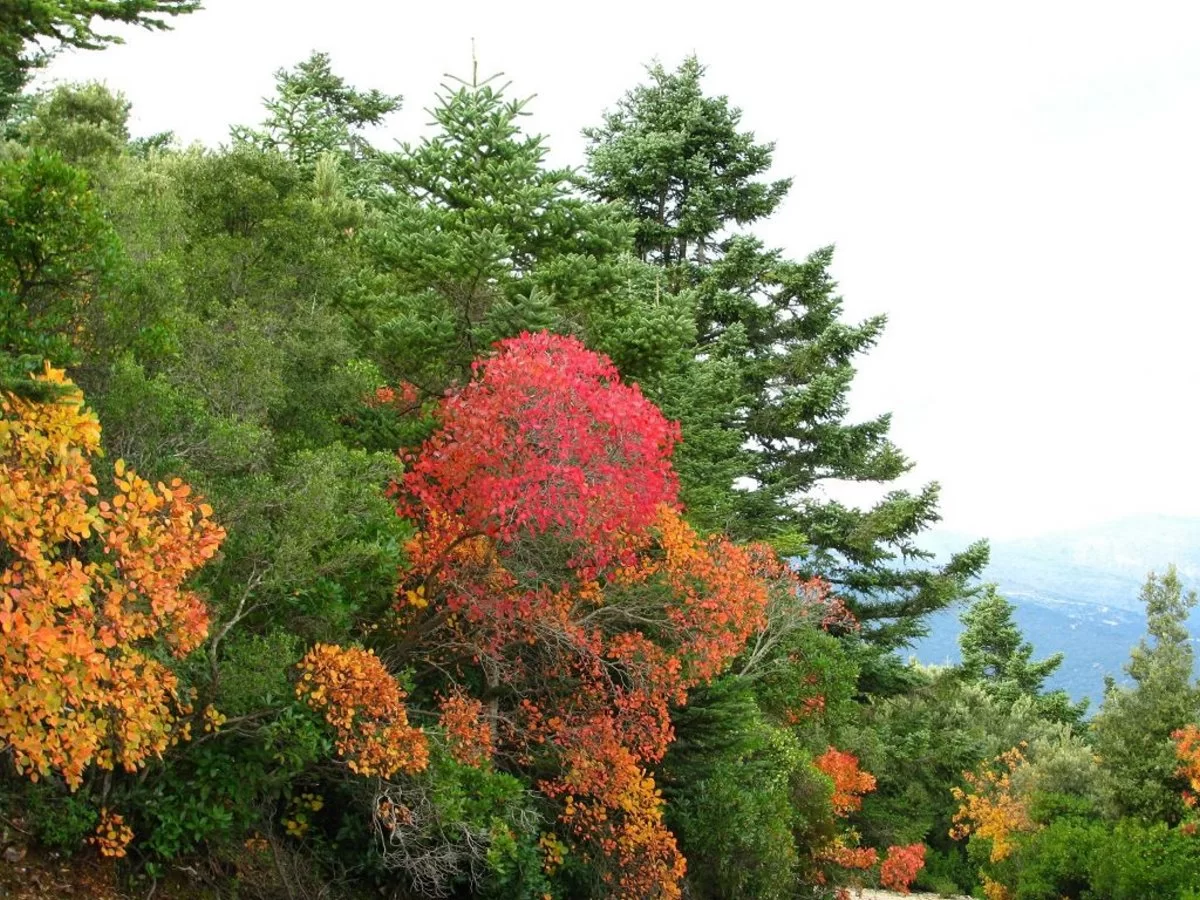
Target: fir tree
{"type": "Point", "coordinates": [479, 240]}
{"type": "Point", "coordinates": [679, 161]}
{"type": "Point", "coordinates": [996, 655]}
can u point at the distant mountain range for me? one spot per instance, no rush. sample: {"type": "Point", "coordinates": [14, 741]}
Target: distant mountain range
{"type": "Point", "coordinates": [1076, 592]}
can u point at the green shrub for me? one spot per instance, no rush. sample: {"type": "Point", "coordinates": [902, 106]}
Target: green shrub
{"type": "Point", "coordinates": [60, 821]}
{"type": "Point", "coordinates": [1057, 861]}
{"type": "Point", "coordinates": [946, 872]}
{"type": "Point", "coordinates": [1138, 862]}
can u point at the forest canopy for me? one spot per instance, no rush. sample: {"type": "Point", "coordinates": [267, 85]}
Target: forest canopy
{"type": "Point", "coordinates": [428, 521]}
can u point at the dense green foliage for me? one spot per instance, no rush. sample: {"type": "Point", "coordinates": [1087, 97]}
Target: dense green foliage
{"type": "Point", "coordinates": [283, 323]}
{"type": "Point", "coordinates": [1133, 729]}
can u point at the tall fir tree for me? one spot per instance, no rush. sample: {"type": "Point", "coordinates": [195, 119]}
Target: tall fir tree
{"type": "Point", "coordinates": [779, 425]}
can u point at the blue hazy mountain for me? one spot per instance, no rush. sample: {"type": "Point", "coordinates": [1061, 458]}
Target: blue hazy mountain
{"type": "Point", "coordinates": [1076, 592]}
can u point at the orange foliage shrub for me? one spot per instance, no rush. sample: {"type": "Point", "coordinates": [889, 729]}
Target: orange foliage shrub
{"type": "Point", "coordinates": [614, 812]}
{"type": "Point", "coordinates": [112, 835]}
{"type": "Point", "coordinates": [849, 782]}
{"type": "Point", "coordinates": [900, 867]}
{"type": "Point", "coordinates": [89, 591]}
{"type": "Point", "coordinates": [1187, 749]}
{"type": "Point", "coordinates": [994, 890]}
{"type": "Point", "coordinates": [990, 809]}
{"type": "Point", "coordinates": [467, 732]}
{"type": "Point", "coordinates": [841, 854]}
{"type": "Point", "coordinates": [364, 705]}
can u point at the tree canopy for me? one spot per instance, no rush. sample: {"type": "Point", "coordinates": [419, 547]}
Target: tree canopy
{"type": "Point", "coordinates": [433, 521]}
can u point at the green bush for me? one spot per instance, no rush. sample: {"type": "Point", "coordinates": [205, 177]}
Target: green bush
{"type": "Point", "coordinates": [742, 797]}
{"type": "Point", "coordinates": [1058, 860]}
{"type": "Point", "coordinates": [1086, 859]}
{"type": "Point", "coordinates": [1138, 862]}
{"type": "Point", "coordinates": [60, 821]}
{"type": "Point", "coordinates": [946, 872]}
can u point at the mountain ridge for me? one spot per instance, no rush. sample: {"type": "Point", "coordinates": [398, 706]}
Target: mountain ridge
{"type": "Point", "coordinates": [1075, 591]}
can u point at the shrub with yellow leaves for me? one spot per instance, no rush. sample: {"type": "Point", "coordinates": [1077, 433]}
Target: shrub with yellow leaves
{"type": "Point", "coordinates": [112, 835]}
{"type": "Point", "coordinates": [91, 592]}
{"type": "Point", "coordinates": [364, 705]}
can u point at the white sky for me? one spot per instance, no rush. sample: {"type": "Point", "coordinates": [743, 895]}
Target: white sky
{"type": "Point", "coordinates": [1017, 186]}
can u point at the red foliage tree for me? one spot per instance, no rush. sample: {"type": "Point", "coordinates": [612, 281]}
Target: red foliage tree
{"type": "Point", "coordinates": [900, 867]}
{"type": "Point", "coordinates": [545, 439]}
{"type": "Point", "coordinates": [849, 781]}
{"type": "Point", "coordinates": [553, 559]}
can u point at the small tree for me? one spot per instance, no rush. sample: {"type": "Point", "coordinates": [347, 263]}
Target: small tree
{"type": "Point", "coordinates": [996, 655]}
{"type": "Point", "coordinates": [84, 123]}
{"type": "Point", "coordinates": [1134, 727]}
{"type": "Point", "coordinates": [92, 597]}
{"type": "Point", "coordinates": [314, 112]}
{"type": "Point", "coordinates": [57, 253]}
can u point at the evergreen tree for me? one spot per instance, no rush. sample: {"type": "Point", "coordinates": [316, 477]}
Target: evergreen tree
{"type": "Point", "coordinates": [996, 655]}
{"type": "Point", "coordinates": [680, 163]}
{"type": "Point", "coordinates": [315, 113]}
{"type": "Point", "coordinates": [733, 783]}
{"type": "Point", "coordinates": [1133, 728]}
{"type": "Point", "coordinates": [478, 240]}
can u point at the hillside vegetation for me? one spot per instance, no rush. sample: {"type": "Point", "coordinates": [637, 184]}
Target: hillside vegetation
{"type": "Point", "coordinates": [431, 522]}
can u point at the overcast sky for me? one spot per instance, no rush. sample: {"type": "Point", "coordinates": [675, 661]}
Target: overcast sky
{"type": "Point", "coordinates": [1018, 189]}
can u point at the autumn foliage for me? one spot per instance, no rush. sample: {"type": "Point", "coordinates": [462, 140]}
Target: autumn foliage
{"type": "Point", "coordinates": [990, 807]}
{"type": "Point", "coordinates": [849, 781]}
{"type": "Point", "coordinates": [1187, 749]}
{"type": "Point", "coordinates": [112, 835]}
{"type": "Point", "coordinates": [364, 706]}
{"type": "Point", "coordinates": [546, 439]}
{"type": "Point", "coordinates": [468, 733]}
{"type": "Point", "coordinates": [91, 592]}
{"type": "Point", "coordinates": [900, 867]}
{"type": "Point", "coordinates": [553, 559]}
